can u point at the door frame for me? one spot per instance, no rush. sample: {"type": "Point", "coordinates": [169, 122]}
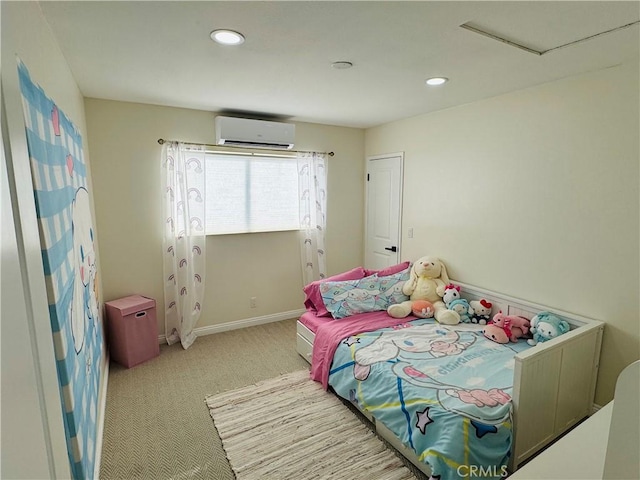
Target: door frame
{"type": "Point", "coordinates": [369, 159]}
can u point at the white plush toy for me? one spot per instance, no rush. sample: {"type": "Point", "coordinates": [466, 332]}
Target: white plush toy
{"type": "Point", "coordinates": [547, 326]}
{"type": "Point", "coordinates": [427, 281]}
{"type": "Point", "coordinates": [451, 293]}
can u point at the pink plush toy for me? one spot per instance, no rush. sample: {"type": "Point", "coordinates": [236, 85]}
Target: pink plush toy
{"type": "Point", "coordinates": [495, 333]}
{"type": "Point", "coordinates": [514, 326]}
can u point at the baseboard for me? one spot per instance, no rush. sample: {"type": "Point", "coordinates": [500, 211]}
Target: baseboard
{"type": "Point", "coordinates": [247, 322]}
{"type": "Point", "coordinates": [102, 412]}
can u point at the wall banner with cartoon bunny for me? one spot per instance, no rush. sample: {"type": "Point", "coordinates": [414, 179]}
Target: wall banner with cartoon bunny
{"type": "Point", "coordinates": [69, 259]}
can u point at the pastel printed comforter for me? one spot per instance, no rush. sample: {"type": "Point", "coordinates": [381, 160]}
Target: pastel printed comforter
{"type": "Point", "coordinates": [445, 391]}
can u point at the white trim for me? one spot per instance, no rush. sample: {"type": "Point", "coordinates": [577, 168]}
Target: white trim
{"type": "Point", "coordinates": [102, 414]}
{"type": "Point", "coordinates": [244, 323]}
{"type": "Point", "coordinates": [595, 407]}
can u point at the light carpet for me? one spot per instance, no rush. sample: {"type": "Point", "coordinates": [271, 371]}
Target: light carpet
{"type": "Point", "coordinates": [290, 428]}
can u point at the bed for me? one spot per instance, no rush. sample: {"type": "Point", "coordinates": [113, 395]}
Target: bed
{"type": "Point", "coordinates": [533, 396]}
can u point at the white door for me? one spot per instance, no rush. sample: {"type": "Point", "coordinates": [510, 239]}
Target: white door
{"type": "Point", "coordinates": [383, 210]}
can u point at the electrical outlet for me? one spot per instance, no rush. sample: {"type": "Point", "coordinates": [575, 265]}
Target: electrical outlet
{"type": "Point", "coordinates": [410, 233]}
{"type": "Point", "coordinates": [253, 302]}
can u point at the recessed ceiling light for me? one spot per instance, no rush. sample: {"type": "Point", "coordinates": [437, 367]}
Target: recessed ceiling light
{"type": "Point", "coordinates": [342, 65]}
{"type": "Point", "coordinates": [437, 81]}
{"type": "Point", "coordinates": [227, 37]}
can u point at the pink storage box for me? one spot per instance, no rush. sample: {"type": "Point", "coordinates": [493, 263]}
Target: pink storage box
{"type": "Point", "coordinates": [132, 330]}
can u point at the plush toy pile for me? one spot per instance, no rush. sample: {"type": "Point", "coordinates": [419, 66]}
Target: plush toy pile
{"type": "Point", "coordinates": [432, 295]}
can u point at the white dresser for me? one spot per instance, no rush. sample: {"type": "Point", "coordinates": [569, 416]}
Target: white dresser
{"type": "Point", "coordinates": [605, 446]}
{"type": "Point", "coordinates": [579, 455]}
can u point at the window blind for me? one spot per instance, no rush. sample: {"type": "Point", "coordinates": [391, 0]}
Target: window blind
{"type": "Point", "coordinates": [247, 194]}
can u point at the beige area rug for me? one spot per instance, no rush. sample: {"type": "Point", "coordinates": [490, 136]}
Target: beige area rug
{"type": "Point", "coordinates": [289, 428]}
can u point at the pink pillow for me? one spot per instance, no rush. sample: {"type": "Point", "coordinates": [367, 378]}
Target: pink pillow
{"type": "Point", "coordinates": [389, 270]}
{"type": "Point", "coordinates": [313, 299]}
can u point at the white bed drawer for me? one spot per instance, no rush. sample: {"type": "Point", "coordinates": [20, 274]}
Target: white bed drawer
{"type": "Point", "coordinates": [305, 333]}
{"type": "Point", "coordinates": [409, 454]}
{"type": "Point", "coordinates": [304, 347]}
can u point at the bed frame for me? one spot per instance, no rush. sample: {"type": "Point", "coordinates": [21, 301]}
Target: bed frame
{"type": "Point", "coordinates": [554, 382]}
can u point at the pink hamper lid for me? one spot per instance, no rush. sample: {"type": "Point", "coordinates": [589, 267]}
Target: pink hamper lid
{"type": "Point", "coordinates": [132, 304]}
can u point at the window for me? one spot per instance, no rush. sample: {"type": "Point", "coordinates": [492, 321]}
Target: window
{"type": "Point", "coordinates": [246, 194]}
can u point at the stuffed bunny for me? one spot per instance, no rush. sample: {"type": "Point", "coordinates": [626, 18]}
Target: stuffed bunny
{"type": "Point", "coordinates": [427, 281]}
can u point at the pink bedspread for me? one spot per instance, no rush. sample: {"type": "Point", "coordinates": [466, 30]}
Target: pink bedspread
{"type": "Point", "coordinates": [310, 320]}
{"type": "Point", "coordinates": [329, 336]}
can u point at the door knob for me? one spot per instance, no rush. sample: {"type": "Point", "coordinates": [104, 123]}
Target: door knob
{"type": "Point", "coordinates": [391, 249]}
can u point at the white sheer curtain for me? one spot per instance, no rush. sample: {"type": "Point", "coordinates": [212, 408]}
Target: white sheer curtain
{"type": "Point", "coordinates": [183, 186]}
{"type": "Point", "coordinates": [312, 186]}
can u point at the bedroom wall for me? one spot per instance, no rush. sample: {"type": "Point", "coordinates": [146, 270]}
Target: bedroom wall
{"type": "Point", "coordinates": [33, 438]}
{"type": "Point", "coordinates": [126, 165]}
{"type": "Point", "coordinates": [534, 194]}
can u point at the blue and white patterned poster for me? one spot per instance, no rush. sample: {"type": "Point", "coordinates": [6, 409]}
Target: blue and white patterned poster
{"type": "Point", "coordinates": [69, 258]}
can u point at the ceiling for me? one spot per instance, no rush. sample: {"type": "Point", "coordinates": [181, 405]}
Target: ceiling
{"type": "Point", "coordinates": [160, 52]}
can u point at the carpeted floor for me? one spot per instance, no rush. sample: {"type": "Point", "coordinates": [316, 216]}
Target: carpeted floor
{"type": "Point", "coordinates": [157, 425]}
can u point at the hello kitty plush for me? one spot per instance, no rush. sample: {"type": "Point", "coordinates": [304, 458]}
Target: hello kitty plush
{"type": "Point", "coordinates": [481, 311]}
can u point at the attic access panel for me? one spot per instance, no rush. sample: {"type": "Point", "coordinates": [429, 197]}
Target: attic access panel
{"type": "Point", "coordinates": [539, 29]}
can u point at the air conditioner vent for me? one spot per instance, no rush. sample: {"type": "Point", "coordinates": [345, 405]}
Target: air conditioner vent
{"type": "Point", "coordinates": [247, 132]}
{"type": "Point", "coordinates": [240, 143]}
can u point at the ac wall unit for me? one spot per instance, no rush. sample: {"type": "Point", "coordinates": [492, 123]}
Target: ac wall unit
{"type": "Point", "coordinates": [246, 132]}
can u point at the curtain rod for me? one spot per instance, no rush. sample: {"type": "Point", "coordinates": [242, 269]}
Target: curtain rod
{"type": "Point", "coordinates": [162, 140]}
